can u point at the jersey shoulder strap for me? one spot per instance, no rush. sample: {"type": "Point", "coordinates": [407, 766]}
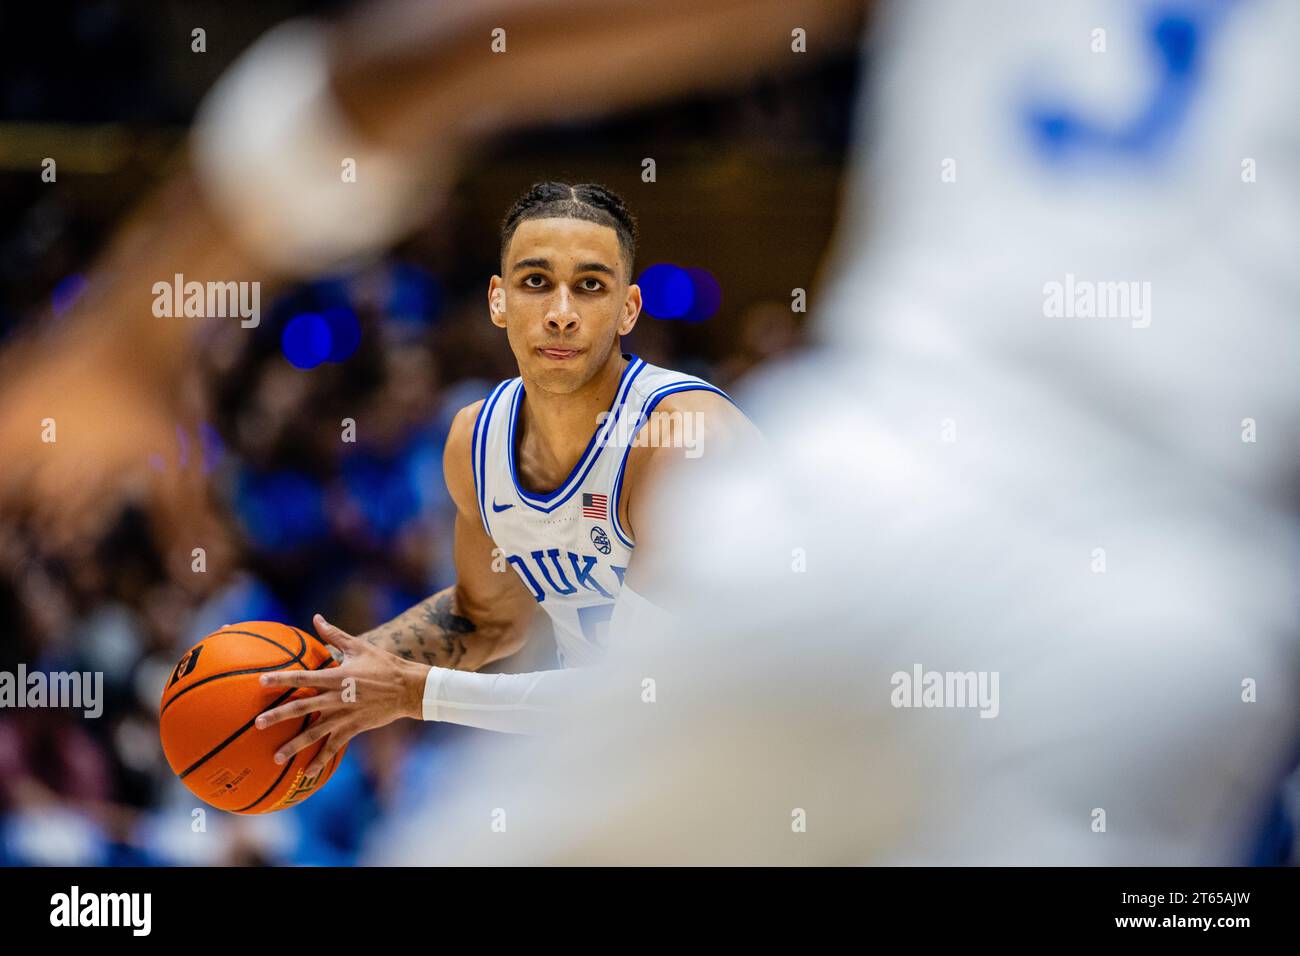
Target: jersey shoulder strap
{"type": "Point", "coordinates": [650, 388]}
{"type": "Point", "coordinates": [489, 428]}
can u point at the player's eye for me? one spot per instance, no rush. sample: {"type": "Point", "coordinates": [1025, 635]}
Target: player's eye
{"type": "Point", "coordinates": [596, 285]}
{"type": "Point", "coordinates": [541, 281]}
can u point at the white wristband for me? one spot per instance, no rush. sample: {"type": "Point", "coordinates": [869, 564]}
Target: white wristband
{"type": "Point", "coordinates": [536, 703]}
{"type": "Point", "coordinates": [432, 688]}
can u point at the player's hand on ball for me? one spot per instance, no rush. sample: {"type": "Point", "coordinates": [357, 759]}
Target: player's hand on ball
{"type": "Point", "coordinates": [367, 689]}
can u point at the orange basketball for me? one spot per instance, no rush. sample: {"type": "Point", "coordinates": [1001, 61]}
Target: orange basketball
{"type": "Point", "coordinates": [208, 707]}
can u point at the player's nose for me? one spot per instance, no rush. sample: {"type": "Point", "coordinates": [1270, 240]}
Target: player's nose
{"type": "Point", "coordinates": [563, 316]}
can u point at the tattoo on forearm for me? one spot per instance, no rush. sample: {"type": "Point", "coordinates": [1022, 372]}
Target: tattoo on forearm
{"type": "Point", "coordinates": [429, 633]}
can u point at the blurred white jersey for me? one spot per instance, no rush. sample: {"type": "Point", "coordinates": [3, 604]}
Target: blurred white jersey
{"type": "Point", "coordinates": [1053, 448]}
{"type": "Point", "coordinates": [567, 545]}
{"type": "Point", "coordinates": [1098, 198]}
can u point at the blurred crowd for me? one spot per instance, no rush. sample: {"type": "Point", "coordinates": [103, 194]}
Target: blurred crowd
{"type": "Point", "coordinates": [352, 521]}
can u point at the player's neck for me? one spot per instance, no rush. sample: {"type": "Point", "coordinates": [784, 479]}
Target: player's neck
{"type": "Point", "coordinates": [556, 429]}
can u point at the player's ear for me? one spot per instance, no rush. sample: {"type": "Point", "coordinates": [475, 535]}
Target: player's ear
{"type": "Point", "coordinates": [497, 302]}
{"type": "Point", "coordinates": [631, 310]}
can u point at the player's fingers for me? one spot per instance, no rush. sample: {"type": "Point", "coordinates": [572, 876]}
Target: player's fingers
{"type": "Point", "coordinates": [321, 679]}
{"type": "Point", "coordinates": [298, 708]}
{"type": "Point", "coordinates": [337, 741]}
{"type": "Point", "coordinates": [328, 632]}
{"type": "Point", "coordinates": [321, 728]}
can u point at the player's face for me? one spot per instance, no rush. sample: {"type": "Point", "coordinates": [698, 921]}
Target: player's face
{"type": "Point", "coordinates": [563, 301]}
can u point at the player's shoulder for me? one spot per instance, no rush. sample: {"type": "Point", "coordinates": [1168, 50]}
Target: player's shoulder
{"type": "Point", "coordinates": [681, 419]}
{"type": "Point", "coordinates": [466, 422]}
{"type": "Point", "coordinates": [461, 434]}
{"type": "Point", "coordinates": [647, 382]}
{"type": "Point", "coordinates": [677, 414]}
{"type": "Point", "coordinates": [704, 401]}
{"type": "Point", "coordinates": [664, 396]}
{"type": "Point", "coordinates": [457, 454]}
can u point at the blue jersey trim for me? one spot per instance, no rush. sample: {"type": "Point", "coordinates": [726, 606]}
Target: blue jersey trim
{"type": "Point", "coordinates": [473, 449]}
{"type": "Point", "coordinates": [549, 502]}
{"type": "Point", "coordinates": [653, 399]}
{"type": "Point", "coordinates": [478, 450]}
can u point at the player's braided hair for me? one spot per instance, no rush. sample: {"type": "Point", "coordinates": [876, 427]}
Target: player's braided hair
{"type": "Point", "coordinates": [590, 202]}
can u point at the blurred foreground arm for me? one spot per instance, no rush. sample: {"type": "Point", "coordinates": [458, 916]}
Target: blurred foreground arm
{"type": "Point", "coordinates": [405, 71]}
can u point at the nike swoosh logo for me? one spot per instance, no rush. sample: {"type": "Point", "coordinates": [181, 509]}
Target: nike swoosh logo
{"type": "Point", "coordinates": [497, 507]}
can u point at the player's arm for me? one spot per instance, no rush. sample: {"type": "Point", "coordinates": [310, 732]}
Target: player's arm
{"type": "Point", "coordinates": [486, 614]}
{"type": "Point", "coordinates": [400, 669]}
{"type": "Point", "coordinates": [410, 72]}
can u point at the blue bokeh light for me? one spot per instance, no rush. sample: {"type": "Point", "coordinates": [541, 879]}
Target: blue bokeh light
{"type": "Point", "coordinates": [306, 340]}
{"type": "Point", "coordinates": [667, 291]}
{"type": "Point", "coordinates": [707, 298]}
{"type": "Point", "coordinates": [345, 332]}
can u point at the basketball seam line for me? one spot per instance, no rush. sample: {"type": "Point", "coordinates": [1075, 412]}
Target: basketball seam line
{"type": "Point", "coordinates": [293, 659]}
{"type": "Point", "coordinates": [276, 782]}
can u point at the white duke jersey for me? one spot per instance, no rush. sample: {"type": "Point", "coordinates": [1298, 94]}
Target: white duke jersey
{"type": "Point", "coordinates": [567, 545]}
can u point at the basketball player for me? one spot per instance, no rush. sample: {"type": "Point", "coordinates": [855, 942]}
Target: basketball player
{"type": "Point", "coordinates": [548, 475]}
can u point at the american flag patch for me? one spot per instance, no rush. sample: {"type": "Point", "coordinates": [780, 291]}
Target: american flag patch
{"type": "Point", "coordinates": [595, 506]}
